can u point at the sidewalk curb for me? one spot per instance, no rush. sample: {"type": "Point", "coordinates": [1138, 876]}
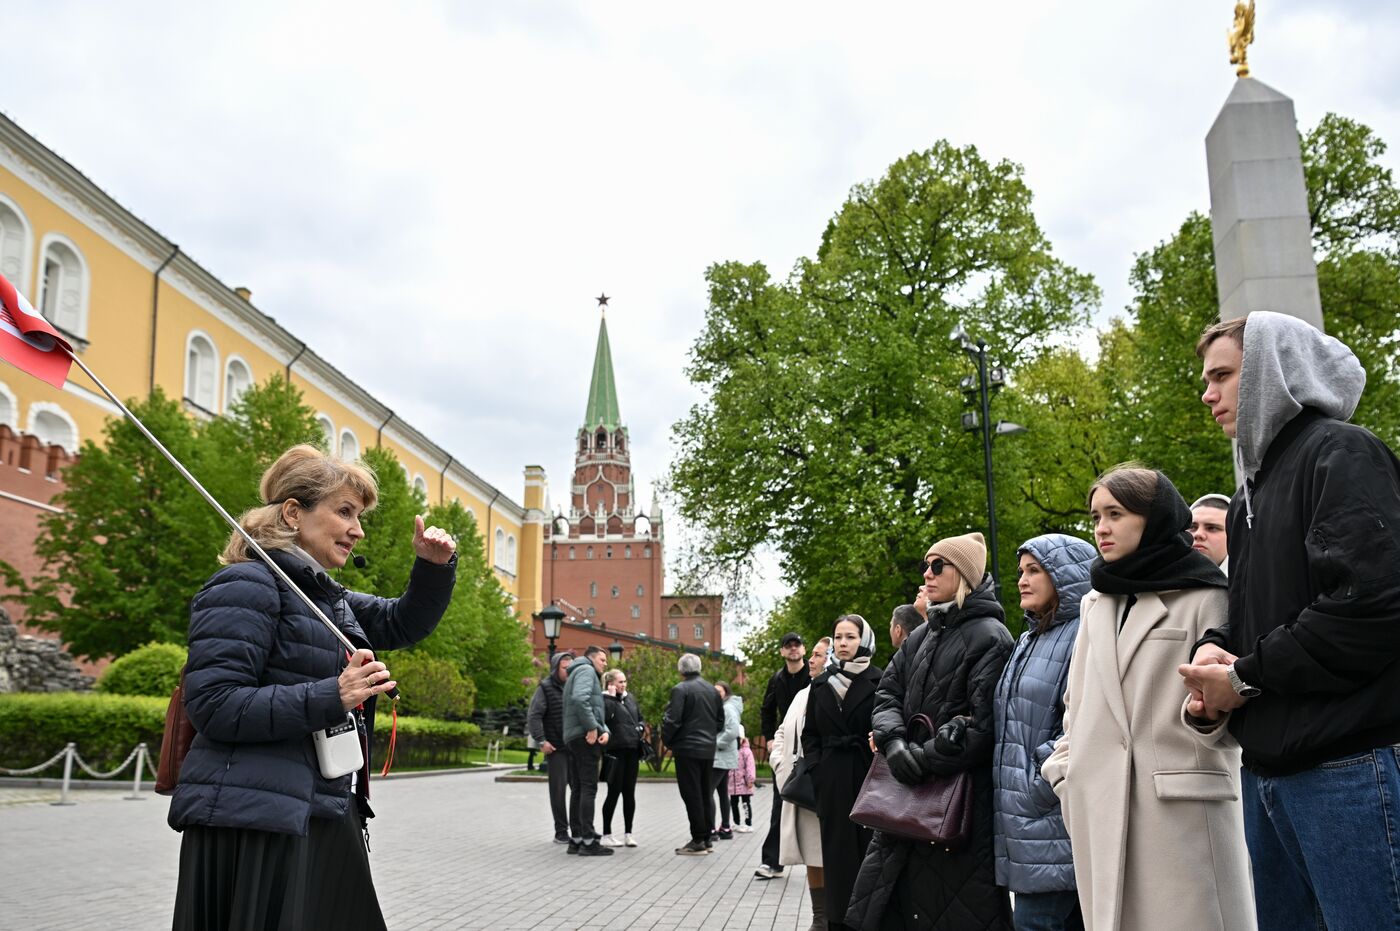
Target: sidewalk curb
{"type": "Point", "coordinates": [37, 782]}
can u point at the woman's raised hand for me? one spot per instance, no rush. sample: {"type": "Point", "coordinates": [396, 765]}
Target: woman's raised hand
{"type": "Point", "coordinates": [365, 676]}
{"type": "Point", "coordinates": [433, 544]}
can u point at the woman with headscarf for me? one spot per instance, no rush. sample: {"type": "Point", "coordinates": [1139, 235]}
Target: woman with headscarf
{"type": "Point", "coordinates": [1032, 843]}
{"type": "Point", "coordinates": [1152, 807]}
{"type": "Point", "coordinates": [948, 669]}
{"type": "Point", "coordinates": [839, 704]}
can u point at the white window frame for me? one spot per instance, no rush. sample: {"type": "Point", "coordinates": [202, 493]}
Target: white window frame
{"type": "Point", "coordinates": [189, 395]}
{"type": "Point", "coordinates": [26, 256]}
{"type": "Point", "coordinates": [355, 440]}
{"type": "Point", "coordinates": [421, 483]}
{"type": "Point", "coordinates": [498, 549]}
{"type": "Point", "coordinates": [510, 552]}
{"type": "Point", "coordinates": [84, 284]}
{"type": "Point", "coordinates": [12, 405]}
{"type": "Point", "coordinates": [229, 363]}
{"type": "Point", "coordinates": [327, 430]}
{"type": "Point", "coordinates": [47, 407]}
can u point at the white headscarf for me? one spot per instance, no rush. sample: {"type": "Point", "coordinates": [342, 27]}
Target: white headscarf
{"type": "Point", "coordinates": [846, 671]}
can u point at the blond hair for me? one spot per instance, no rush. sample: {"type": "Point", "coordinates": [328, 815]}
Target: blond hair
{"type": "Point", "coordinates": [303, 474]}
{"type": "Point", "coordinates": [611, 676]}
{"type": "Point", "coordinates": [1231, 329]}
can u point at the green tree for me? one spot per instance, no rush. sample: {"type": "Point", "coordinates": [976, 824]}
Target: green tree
{"type": "Point", "coordinates": [651, 674]}
{"type": "Point", "coordinates": [266, 421]}
{"type": "Point", "coordinates": [830, 424]}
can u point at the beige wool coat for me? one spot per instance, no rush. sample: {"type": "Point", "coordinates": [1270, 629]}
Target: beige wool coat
{"type": "Point", "coordinates": [800, 833]}
{"type": "Point", "coordinates": [1152, 806]}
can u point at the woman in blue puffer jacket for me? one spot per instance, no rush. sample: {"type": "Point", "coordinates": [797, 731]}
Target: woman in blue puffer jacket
{"type": "Point", "coordinates": [1031, 842]}
{"type": "Point", "coordinates": [269, 842]}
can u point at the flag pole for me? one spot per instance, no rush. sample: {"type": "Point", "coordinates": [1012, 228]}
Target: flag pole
{"type": "Point", "coordinates": [237, 527]}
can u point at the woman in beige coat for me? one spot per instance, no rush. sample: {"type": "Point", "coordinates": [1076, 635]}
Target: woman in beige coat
{"type": "Point", "coordinates": [1153, 810]}
{"type": "Point", "coordinates": [800, 833]}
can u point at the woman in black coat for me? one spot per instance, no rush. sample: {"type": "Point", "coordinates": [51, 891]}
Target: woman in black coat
{"type": "Point", "coordinates": [835, 745]}
{"type": "Point", "coordinates": [948, 669]}
{"type": "Point", "coordinates": [269, 840]}
{"type": "Point", "coordinates": [625, 730]}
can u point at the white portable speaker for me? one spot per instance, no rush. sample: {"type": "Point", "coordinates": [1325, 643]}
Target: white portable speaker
{"type": "Point", "coordinates": [338, 748]}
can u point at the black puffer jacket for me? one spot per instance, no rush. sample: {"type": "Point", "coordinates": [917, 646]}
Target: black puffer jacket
{"type": "Point", "coordinates": [942, 670]}
{"type": "Point", "coordinates": [545, 720]}
{"type": "Point", "coordinates": [693, 719]}
{"type": "Point", "coordinates": [624, 721]}
{"type": "Point", "coordinates": [262, 676]}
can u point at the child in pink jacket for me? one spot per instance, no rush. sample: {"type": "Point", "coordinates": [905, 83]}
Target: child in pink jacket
{"type": "Point", "coordinates": [741, 787]}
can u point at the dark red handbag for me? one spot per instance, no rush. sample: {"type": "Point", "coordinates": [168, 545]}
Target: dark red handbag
{"type": "Point", "coordinates": [937, 811]}
{"type": "Point", "coordinates": [175, 741]}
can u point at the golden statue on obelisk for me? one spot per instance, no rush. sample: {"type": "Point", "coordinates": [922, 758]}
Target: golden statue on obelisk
{"type": "Point", "coordinates": [1241, 34]}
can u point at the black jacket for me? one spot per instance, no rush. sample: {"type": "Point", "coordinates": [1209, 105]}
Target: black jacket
{"type": "Point", "coordinates": [943, 670]}
{"type": "Point", "coordinates": [1315, 598]}
{"type": "Point", "coordinates": [545, 720]}
{"type": "Point", "coordinates": [624, 721]}
{"type": "Point", "coordinates": [693, 719]}
{"type": "Point", "coordinates": [262, 676]}
{"type": "Point", "coordinates": [782, 688]}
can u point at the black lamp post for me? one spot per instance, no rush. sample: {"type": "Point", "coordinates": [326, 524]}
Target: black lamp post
{"type": "Point", "coordinates": [553, 621]}
{"type": "Point", "coordinates": [981, 387]}
{"type": "Point", "coordinates": [616, 652]}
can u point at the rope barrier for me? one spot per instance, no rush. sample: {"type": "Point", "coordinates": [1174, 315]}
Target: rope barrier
{"type": "Point", "coordinates": [35, 769]}
{"type": "Point", "coordinates": [69, 755]}
{"type": "Point", "coordinates": [95, 774]}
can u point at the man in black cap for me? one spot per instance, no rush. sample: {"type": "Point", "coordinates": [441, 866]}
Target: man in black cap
{"type": "Point", "coordinates": [786, 683]}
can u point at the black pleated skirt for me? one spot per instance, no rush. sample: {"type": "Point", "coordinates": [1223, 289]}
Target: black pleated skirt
{"type": "Point", "coordinates": [237, 879]}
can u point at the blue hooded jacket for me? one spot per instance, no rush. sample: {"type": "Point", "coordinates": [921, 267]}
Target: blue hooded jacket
{"type": "Point", "coordinates": [1032, 844]}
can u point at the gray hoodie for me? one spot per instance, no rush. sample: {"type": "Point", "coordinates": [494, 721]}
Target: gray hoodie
{"type": "Point", "coordinates": [1288, 365]}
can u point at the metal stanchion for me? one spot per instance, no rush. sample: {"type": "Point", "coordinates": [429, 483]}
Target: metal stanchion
{"type": "Point", "coordinates": [68, 753]}
{"type": "Point", "coordinates": [136, 795]}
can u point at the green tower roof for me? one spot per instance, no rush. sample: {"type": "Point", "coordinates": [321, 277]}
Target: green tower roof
{"type": "Point", "coordinates": [602, 393]}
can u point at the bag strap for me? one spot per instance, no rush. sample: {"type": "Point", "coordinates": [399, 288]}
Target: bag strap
{"type": "Point", "coordinates": [923, 719]}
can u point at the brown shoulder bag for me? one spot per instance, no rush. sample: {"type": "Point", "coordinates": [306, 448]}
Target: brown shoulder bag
{"type": "Point", "coordinates": [936, 811]}
{"type": "Point", "coordinates": [175, 741]}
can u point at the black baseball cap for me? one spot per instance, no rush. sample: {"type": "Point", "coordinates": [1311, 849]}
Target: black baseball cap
{"type": "Point", "coordinates": [792, 636]}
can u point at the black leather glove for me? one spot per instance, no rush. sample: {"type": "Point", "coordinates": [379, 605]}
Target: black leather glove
{"type": "Point", "coordinates": [951, 737]}
{"type": "Point", "coordinates": [903, 764]}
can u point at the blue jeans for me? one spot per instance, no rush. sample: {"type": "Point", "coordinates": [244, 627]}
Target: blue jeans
{"type": "Point", "coordinates": [1325, 844]}
{"type": "Point", "coordinates": [1048, 911]}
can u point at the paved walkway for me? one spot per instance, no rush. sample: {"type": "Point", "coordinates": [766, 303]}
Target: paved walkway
{"type": "Point", "coordinates": [460, 851]}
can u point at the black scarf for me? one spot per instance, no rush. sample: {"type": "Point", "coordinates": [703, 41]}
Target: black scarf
{"type": "Point", "coordinates": [1164, 560]}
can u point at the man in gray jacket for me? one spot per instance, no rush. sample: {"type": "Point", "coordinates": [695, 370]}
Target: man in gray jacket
{"type": "Point", "coordinates": [585, 735]}
{"type": "Point", "coordinates": [545, 723]}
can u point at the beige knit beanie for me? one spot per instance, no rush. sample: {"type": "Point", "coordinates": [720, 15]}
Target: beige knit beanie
{"type": "Point", "coordinates": [967, 554]}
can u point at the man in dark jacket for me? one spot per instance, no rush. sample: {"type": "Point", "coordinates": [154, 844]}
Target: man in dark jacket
{"type": "Point", "coordinates": [1308, 666]}
{"type": "Point", "coordinates": [546, 725]}
{"type": "Point", "coordinates": [585, 736]}
{"type": "Point", "coordinates": [792, 678]}
{"type": "Point", "coordinates": [693, 720]}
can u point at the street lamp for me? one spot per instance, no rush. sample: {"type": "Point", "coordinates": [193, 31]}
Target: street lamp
{"type": "Point", "coordinates": [616, 651]}
{"type": "Point", "coordinates": [981, 387]}
{"type": "Point", "coordinates": [553, 621]}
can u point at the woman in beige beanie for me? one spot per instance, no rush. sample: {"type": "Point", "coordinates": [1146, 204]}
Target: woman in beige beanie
{"type": "Point", "coordinates": [948, 669]}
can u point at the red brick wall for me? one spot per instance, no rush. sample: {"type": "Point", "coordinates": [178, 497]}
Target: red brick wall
{"type": "Point", "coordinates": [571, 580]}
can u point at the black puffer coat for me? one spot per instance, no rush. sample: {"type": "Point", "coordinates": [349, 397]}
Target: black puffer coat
{"type": "Point", "coordinates": [942, 670]}
{"type": "Point", "coordinates": [624, 721]}
{"type": "Point", "coordinates": [262, 676]}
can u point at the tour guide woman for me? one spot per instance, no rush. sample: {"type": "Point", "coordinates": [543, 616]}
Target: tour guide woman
{"type": "Point", "coordinates": [834, 743]}
{"type": "Point", "coordinates": [268, 842]}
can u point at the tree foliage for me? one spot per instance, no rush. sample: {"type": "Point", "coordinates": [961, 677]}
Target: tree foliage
{"type": "Point", "coordinates": [651, 673]}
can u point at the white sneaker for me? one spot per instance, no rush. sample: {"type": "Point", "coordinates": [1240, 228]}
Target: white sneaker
{"type": "Point", "coordinates": [743, 829]}
{"type": "Point", "coordinates": [608, 841]}
{"type": "Point", "coordinates": [629, 840]}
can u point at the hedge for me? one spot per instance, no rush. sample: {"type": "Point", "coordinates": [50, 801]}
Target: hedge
{"type": "Point", "coordinates": [36, 725]}
{"type": "Point", "coordinates": [153, 669]}
{"type": "Point", "coordinates": [425, 742]}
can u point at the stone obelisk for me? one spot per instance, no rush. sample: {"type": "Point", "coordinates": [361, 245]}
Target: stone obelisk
{"type": "Point", "coordinates": [1258, 198]}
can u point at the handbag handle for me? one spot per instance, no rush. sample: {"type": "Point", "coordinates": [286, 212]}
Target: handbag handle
{"type": "Point", "coordinates": [923, 719]}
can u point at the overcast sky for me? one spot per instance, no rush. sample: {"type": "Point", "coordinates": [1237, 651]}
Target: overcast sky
{"type": "Point", "coordinates": [486, 169]}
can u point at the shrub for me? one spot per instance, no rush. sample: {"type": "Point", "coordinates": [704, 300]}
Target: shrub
{"type": "Point", "coordinates": [153, 669]}
{"type": "Point", "coordinates": [432, 687]}
{"type": "Point", "coordinates": [35, 726]}
{"type": "Point", "coordinates": [424, 741]}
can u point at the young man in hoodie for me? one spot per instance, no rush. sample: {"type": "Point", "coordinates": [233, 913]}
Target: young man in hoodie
{"type": "Point", "coordinates": [545, 722]}
{"type": "Point", "coordinates": [585, 735]}
{"type": "Point", "coordinates": [1308, 666]}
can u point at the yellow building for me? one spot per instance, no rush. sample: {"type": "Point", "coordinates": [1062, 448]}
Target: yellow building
{"type": "Point", "coordinates": [141, 313]}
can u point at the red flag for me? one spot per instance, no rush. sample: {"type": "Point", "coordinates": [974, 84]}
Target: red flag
{"type": "Point", "coordinates": [30, 342]}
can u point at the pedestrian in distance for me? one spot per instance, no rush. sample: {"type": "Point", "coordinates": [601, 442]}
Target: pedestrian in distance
{"type": "Point", "coordinates": [800, 831]}
{"type": "Point", "coordinates": [268, 840]}
{"type": "Point", "coordinates": [1033, 858]}
{"type": "Point", "coordinates": [1135, 785]}
{"type": "Point", "coordinates": [545, 722]}
{"type": "Point", "coordinates": [789, 679]}
{"type": "Point", "coordinates": [1305, 672]}
{"type": "Point", "coordinates": [693, 719]}
{"type": "Point", "coordinates": [585, 737]}
{"type": "Point", "coordinates": [626, 728]}
{"type": "Point", "coordinates": [741, 780]}
{"type": "Point", "coordinates": [948, 669]}
{"type": "Point", "coordinates": [726, 759]}
{"type": "Point", "coordinates": [834, 742]}
{"type": "Point", "coordinates": [1208, 536]}
{"type": "Point", "coordinates": [903, 622]}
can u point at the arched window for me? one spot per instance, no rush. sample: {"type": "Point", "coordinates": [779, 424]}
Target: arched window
{"type": "Point", "coordinates": [52, 425]}
{"type": "Point", "coordinates": [699, 631]}
{"type": "Point", "coordinates": [571, 552]}
{"type": "Point", "coordinates": [701, 610]}
{"type": "Point", "coordinates": [636, 611]}
{"type": "Point", "coordinates": [420, 485]}
{"type": "Point", "coordinates": [646, 552]}
{"type": "Point", "coordinates": [607, 553]}
{"type": "Point", "coordinates": [616, 591]}
{"type": "Point", "coordinates": [14, 244]}
{"type": "Point", "coordinates": [592, 612]}
{"type": "Point", "coordinates": [619, 443]}
{"type": "Point", "coordinates": [63, 286]}
{"type": "Point", "coordinates": [201, 372]}
{"type": "Point", "coordinates": [593, 589]}
{"type": "Point", "coordinates": [9, 408]}
{"type": "Point", "coordinates": [237, 379]}
{"type": "Point", "coordinates": [583, 443]}
{"type": "Point", "coordinates": [499, 551]}
{"type": "Point", "coordinates": [328, 429]}
{"type": "Point", "coordinates": [675, 611]}
{"type": "Point", "coordinates": [673, 631]}
{"type": "Point", "coordinates": [349, 446]}
{"type": "Point", "coordinates": [588, 553]}
{"type": "Point", "coordinates": [510, 551]}
{"type": "Point", "coordinates": [640, 591]}
{"type": "Point", "coordinates": [627, 552]}
{"type": "Point", "coordinates": [602, 440]}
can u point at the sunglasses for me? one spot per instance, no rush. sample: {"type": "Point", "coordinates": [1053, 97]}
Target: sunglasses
{"type": "Point", "coordinates": [935, 565]}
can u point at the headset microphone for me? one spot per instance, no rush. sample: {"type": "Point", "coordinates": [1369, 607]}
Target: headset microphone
{"type": "Point", "coordinates": [359, 561]}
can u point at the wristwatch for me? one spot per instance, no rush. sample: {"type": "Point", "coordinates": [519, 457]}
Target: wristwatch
{"type": "Point", "coordinates": [1242, 688]}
